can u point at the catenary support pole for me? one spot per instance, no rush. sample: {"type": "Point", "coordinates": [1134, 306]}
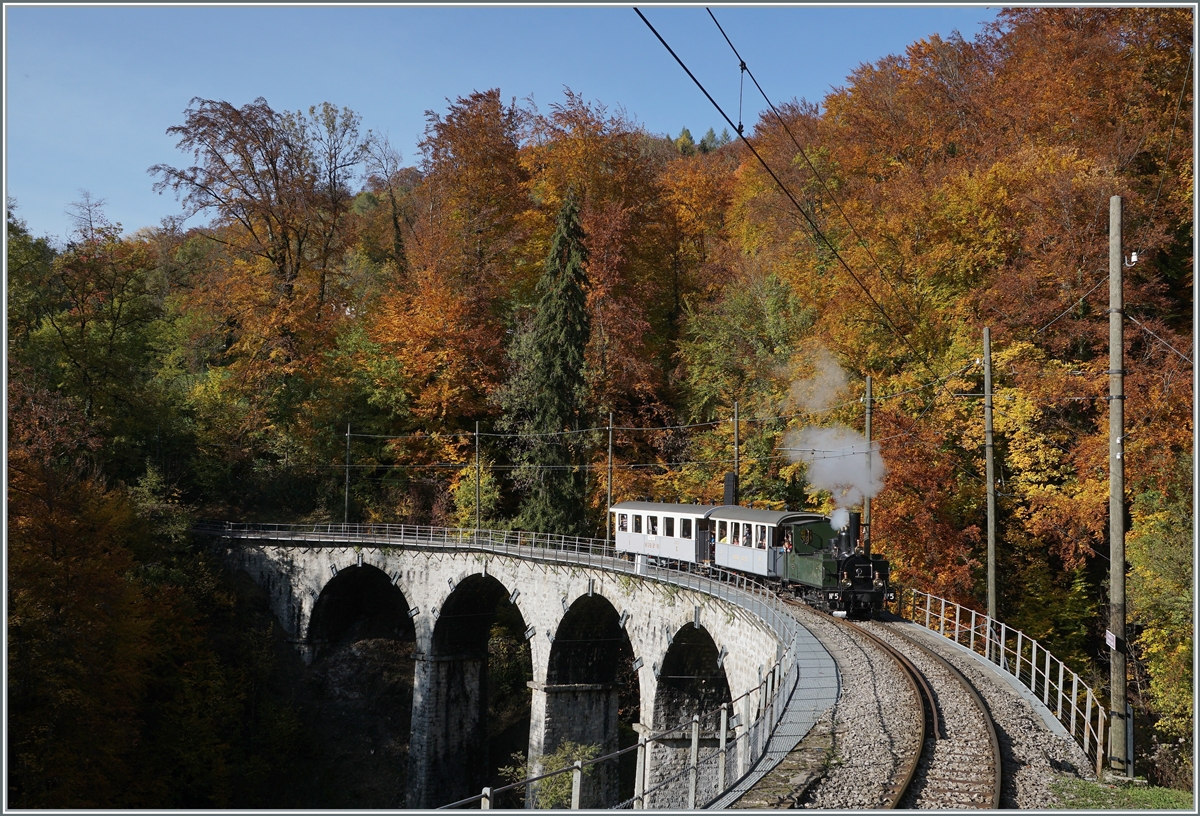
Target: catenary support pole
{"type": "Point", "coordinates": [990, 450]}
{"type": "Point", "coordinates": [477, 477]}
{"type": "Point", "coordinates": [346, 515]}
{"type": "Point", "coordinates": [866, 518]}
{"type": "Point", "coordinates": [737, 471]}
{"type": "Point", "coordinates": [1117, 762]}
{"type": "Point", "coordinates": [607, 514]}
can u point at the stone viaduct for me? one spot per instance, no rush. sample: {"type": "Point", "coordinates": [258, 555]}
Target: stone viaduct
{"type": "Point", "coordinates": [582, 614]}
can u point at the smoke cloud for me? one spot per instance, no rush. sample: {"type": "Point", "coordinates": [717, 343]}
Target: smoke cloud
{"type": "Point", "coordinates": [839, 460]}
{"type": "Point", "coordinates": [840, 519]}
{"type": "Point", "coordinates": [819, 392]}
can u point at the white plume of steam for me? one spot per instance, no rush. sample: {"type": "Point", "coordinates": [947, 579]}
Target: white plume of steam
{"type": "Point", "coordinates": [840, 519]}
{"type": "Point", "coordinates": [819, 392]}
{"type": "Point", "coordinates": [839, 460]}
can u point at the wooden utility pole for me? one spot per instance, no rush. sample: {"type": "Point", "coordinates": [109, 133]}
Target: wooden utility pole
{"type": "Point", "coordinates": [989, 450]}
{"type": "Point", "coordinates": [476, 477]}
{"type": "Point", "coordinates": [737, 471]}
{"type": "Point", "coordinates": [867, 499]}
{"type": "Point", "coordinates": [607, 513]}
{"type": "Point", "coordinates": [1119, 752]}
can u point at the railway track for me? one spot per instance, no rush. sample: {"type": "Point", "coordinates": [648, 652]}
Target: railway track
{"type": "Point", "coordinates": [948, 757]}
{"type": "Point", "coordinates": [960, 764]}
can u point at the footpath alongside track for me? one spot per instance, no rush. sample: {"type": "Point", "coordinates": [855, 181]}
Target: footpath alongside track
{"type": "Point", "coordinates": [856, 755]}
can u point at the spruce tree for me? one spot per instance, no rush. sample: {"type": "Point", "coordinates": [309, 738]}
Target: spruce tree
{"type": "Point", "coordinates": [546, 391]}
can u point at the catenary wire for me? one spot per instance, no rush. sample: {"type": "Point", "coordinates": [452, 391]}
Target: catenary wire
{"type": "Point", "coordinates": [862, 241]}
{"type": "Point", "coordinates": [812, 224]}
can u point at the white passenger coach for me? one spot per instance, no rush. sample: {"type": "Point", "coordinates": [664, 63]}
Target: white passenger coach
{"type": "Point", "coordinates": [730, 536]}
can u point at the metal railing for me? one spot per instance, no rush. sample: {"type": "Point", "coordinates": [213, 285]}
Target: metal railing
{"type": "Point", "coordinates": [1071, 701]}
{"type": "Point", "coordinates": [706, 773]}
{"type": "Point", "coordinates": [746, 591]}
{"type": "Point", "coordinates": [742, 735]}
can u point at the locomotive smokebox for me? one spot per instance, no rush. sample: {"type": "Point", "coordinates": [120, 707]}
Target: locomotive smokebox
{"type": "Point", "coordinates": [731, 488]}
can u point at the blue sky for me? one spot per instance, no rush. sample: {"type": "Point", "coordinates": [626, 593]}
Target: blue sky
{"type": "Point", "coordinates": [90, 90]}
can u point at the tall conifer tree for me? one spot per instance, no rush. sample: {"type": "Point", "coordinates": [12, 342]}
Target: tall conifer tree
{"type": "Point", "coordinates": [546, 393]}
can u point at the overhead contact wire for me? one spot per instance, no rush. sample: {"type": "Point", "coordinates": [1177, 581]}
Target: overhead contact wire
{"type": "Point", "coordinates": [812, 224]}
{"type": "Point", "coordinates": [862, 241]}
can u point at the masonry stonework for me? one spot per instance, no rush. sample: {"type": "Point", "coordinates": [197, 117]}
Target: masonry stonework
{"type": "Point", "coordinates": [448, 720]}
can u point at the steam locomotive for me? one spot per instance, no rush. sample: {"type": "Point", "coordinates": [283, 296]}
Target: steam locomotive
{"type": "Point", "coordinates": [800, 551]}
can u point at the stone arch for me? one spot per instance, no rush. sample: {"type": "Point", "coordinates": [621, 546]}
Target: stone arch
{"type": "Point", "coordinates": [691, 681]}
{"type": "Point", "coordinates": [588, 644]}
{"type": "Point", "coordinates": [478, 629]}
{"type": "Point", "coordinates": [591, 697]}
{"type": "Point", "coordinates": [358, 603]}
{"type": "Point", "coordinates": [359, 684]}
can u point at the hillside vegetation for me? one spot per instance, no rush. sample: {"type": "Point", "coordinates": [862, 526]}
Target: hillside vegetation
{"type": "Point", "coordinates": [540, 270]}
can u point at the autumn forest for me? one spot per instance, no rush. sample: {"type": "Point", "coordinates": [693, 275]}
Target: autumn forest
{"type": "Point", "coordinates": [540, 270]}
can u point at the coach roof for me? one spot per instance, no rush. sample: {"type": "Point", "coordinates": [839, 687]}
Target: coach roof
{"type": "Point", "coordinates": [700, 510]}
{"type": "Point", "coordinates": [728, 512]}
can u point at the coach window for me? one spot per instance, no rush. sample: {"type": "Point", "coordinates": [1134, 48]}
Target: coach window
{"type": "Point", "coordinates": [669, 526]}
{"type": "Point", "coordinates": [722, 532]}
{"type": "Point", "coordinates": [622, 522]}
{"type": "Point", "coordinates": [734, 537]}
{"type": "Point", "coordinates": [760, 536]}
{"type": "Point", "coordinates": [685, 528]}
{"type": "Point", "coordinates": [746, 542]}
{"type": "Point", "coordinates": [637, 523]}
{"type": "Point", "coordinates": [651, 525]}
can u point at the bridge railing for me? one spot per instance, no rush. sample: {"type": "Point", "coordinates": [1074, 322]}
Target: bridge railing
{"type": "Point", "coordinates": [743, 590]}
{"type": "Point", "coordinates": [1072, 701]}
{"type": "Point", "coordinates": [709, 769]}
{"type": "Point", "coordinates": [743, 735]}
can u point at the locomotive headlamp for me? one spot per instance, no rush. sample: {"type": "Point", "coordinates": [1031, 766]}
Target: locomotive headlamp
{"type": "Point", "coordinates": [846, 582]}
{"type": "Point", "coordinates": [879, 583]}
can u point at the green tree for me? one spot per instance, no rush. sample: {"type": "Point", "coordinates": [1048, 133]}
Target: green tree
{"type": "Point", "coordinates": [685, 144]}
{"type": "Point", "coordinates": [86, 323]}
{"type": "Point", "coordinates": [1161, 560]}
{"type": "Point", "coordinates": [545, 396]}
{"type": "Point", "coordinates": [554, 792]}
{"type": "Point", "coordinates": [463, 489]}
{"type": "Point", "coordinates": [29, 262]}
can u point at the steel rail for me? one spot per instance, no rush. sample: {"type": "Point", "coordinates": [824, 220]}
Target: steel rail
{"type": "Point", "coordinates": [976, 698]}
{"type": "Point", "coordinates": [929, 721]}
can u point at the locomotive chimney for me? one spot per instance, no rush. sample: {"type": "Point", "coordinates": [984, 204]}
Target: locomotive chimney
{"type": "Point", "coordinates": [854, 530]}
{"type": "Point", "coordinates": [731, 488]}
